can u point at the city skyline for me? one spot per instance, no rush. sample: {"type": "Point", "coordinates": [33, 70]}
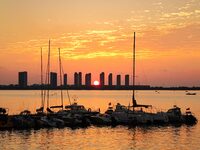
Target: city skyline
{"type": "Point", "coordinates": [97, 36]}
{"type": "Point", "coordinates": [80, 78]}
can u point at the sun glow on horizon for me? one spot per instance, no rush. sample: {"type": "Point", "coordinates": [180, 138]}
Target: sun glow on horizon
{"type": "Point", "coordinates": [96, 83]}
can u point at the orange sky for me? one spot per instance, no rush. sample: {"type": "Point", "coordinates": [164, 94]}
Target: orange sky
{"type": "Point", "coordinates": [96, 35]}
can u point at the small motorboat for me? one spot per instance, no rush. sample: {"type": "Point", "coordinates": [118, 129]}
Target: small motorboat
{"type": "Point", "coordinates": [75, 108]}
{"type": "Point", "coordinates": [189, 93]}
{"type": "Point", "coordinates": [176, 117]}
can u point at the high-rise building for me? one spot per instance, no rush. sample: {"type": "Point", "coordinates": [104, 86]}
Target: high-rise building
{"type": "Point", "coordinates": [23, 79]}
{"type": "Point", "coordinates": [102, 80]}
{"type": "Point", "coordinates": [53, 79]}
{"type": "Point", "coordinates": [118, 80]}
{"type": "Point", "coordinates": [76, 79]}
{"type": "Point", "coordinates": [65, 80]}
{"type": "Point", "coordinates": [126, 80]}
{"type": "Point", "coordinates": [88, 79]}
{"type": "Point", "coordinates": [80, 78]}
{"type": "Point", "coordinates": [110, 79]}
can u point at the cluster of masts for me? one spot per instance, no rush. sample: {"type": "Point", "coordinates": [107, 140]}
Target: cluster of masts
{"type": "Point", "coordinates": [74, 115]}
{"type": "Point", "coordinates": [45, 93]}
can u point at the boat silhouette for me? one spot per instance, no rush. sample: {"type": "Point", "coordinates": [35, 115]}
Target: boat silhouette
{"type": "Point", "coordinates": [135, 114]}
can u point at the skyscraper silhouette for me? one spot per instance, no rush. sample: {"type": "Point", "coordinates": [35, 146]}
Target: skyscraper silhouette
{"type": "Point", "coordinates": [102, 80]}
{"type": "Point", "coordinates": [88, 79]}
{"type": "Point", "coordinates": [110, 79]}
{"type": "Point", "coordinates": [53, 79]}
{"type": "Point", "coordinates": [65, 79]}
{"type": "Point", "coordinates": [80, 78]}
{"type": "Point", "coordinates": [126, 80]}
{"type": "Point", "coordinates": [23, 79]}
{"type": "Point", "coordinates": [75, 79]}
{"type": "Point", "coordinates": [118, 80]}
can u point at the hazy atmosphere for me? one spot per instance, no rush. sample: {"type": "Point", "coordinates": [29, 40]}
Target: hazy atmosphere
{"type": "Point", "coordinates": [97, 35]}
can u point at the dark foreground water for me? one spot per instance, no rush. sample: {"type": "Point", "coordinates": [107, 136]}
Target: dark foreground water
{"type": "Point", "coordinates": [98, 138]}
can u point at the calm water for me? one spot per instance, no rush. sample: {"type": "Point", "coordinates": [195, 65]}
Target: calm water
{"type": "Point", "coordinates": [98, 138]}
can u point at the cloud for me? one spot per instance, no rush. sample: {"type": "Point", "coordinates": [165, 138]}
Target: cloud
{"type": "Point", "coordinates": [178, 14]}
{"type": "Point", "coordinates": [100, 31]}
{"type": "Point", "coordinates": [109, 37]}
{"type": "Point", "coordinates": [119, 53]}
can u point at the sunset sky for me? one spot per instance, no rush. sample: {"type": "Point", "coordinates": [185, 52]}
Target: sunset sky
{"type": "Point", "coordinates": [97, 35]}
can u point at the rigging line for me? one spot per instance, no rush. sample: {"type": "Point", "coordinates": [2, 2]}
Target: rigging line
{"type": "Point", "coordinates": [61, 92]}
{"type": "Point", "coordinates": [67, 89]}
{"type": "Point", "coordinates": [48, 76]}
{"type": "Point", "coordinates": [42, 91]}
{"type": "Point", "coordinates": [45, 84]}
{"type": "Point", "coordinates": [133, 98]}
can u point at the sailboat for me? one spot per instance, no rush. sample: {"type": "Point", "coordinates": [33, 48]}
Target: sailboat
{"type": "Point", "coordinates": [49, 119]}
{"type": "Point", "coordinates": [45, 93]}
{"type": "Point", "coordinates": [126, 115]}
{"type": "Point", "coordinates": [61, 91]}
{"type": "Point", "coordinates": [41, 109]}
{"type": "Point", "coordinates": [135, 114]}
{"type": "Point", "coordinates": [73, 108]}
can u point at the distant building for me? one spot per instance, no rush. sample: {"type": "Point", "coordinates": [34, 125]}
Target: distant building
{"type": "Point", "coordinates": [110, 79]}
{"type": "Point", "coordinates": [88, 79]}
{"type": "Point", "coordinates": [65, 80]}
{"type": "Point", "coordinates": [53, 79]}
{"type": "Point", "coordinates": [118, 80]}
{"type": "Point", "coordinates": [102, 79]}
{"type": "Point", "coordinates": [126, 80]}
{"type": "Point", "coordinates": [80, 78]}
{"type": "Point", "coordinates": [75, 79]}
{"type": "Point", "coordinates": [23, 79]}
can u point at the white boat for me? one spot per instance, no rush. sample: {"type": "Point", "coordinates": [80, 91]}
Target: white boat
{"type": "Point", "coordinates": [75, 108]}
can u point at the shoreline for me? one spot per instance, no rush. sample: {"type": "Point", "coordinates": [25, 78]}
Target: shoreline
{"type": "Point", "coordinates": [98, 88]}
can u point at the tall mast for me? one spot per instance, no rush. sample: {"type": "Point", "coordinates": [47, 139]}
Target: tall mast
{"type": "Point", "coordinates": [42, 92]}
{"type": "Point", "coordinates": [62, 72]}
{"type": "Point", "coordinates": [48, 75]}
{"type": "Point", "coordinates": [133, 98]}
{"type": "Point", "coordinates": [61, 92]}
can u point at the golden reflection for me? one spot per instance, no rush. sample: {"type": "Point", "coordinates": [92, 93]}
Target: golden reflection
{"type": "Point", "coordinates": [16, 101]}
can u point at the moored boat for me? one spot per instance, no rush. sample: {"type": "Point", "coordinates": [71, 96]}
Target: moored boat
{"type": "Point", "coordinates": [76, 108]}
{"type": "Point", "coordinates": [189, 93]}
{"type": "Point", "coordinates": [128, 115]}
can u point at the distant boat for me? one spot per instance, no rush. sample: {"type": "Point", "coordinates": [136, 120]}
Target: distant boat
{"type": "Point", "coordinates": [157, 92]}
{"type": "Point", "coordinates": [189, 93]}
